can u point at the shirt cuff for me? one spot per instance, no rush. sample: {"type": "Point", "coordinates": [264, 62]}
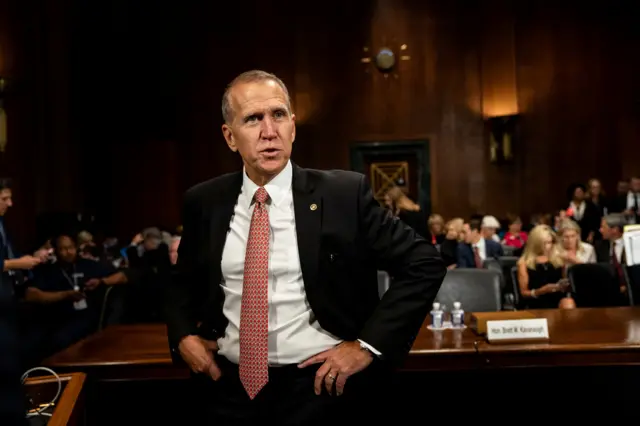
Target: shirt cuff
{"type": "Point", "coordinates": [371, 348]}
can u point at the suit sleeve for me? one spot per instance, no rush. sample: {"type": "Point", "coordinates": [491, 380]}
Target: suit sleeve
{"type": "Point", "coordinates": [461, 257]}
{"type": "Point", "coordinates": [180, 306]}
{"type": "Point", "coordinates": [417, 270]}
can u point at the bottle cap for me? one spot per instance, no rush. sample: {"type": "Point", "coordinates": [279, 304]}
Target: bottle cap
{"type": "Point", "coordinates": [436, 306]}
{"type": "Point", "coordinates": [456, 305]}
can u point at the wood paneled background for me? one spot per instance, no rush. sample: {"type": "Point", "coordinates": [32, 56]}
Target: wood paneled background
{"type": "Point", "coordinates": [115, 105]}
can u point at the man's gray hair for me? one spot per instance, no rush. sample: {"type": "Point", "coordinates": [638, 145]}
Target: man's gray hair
{"type": "Point", "coordinates": [252, 76]}
{"type": "Point", "coordinates": [616, 220]}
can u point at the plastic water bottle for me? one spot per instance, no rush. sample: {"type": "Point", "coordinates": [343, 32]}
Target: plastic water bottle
{"type": "Point", "coordinates": [457, 315]}
{"type": "Point", "coordinates": [437, 316]}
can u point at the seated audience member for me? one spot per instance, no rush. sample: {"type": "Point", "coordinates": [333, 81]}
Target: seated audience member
{"type": "Point", "coordinates": [514, 237]}
{"type": "Point", "coordinates": [572, 249]}
{"type": "Point", "coordinates": [611, 248]}
{"type": "Point", "coordinates": [449, 246]}
{"type": "Point", "coordinates": [149, 240]}
{"type": "Point", "coordinates": [67, 297]}
{"type": "Point", "coordinates": [475, 249]}
{"type": "Point", "coordinates": [540, 271]}
{"type": "Point", "coordinates": [490, 227]}
{"type": "Point", "coordinates": [149, 273]}
{"type": "Point", "coordinates": [436, 229]}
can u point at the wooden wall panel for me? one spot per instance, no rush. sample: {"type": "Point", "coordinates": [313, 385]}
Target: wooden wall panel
{"type": "Point", "coordinates": [131, 91]}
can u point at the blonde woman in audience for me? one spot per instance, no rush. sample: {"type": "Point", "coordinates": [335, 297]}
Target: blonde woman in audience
{"type": "Point", "coordinates": [571, 248]}
{"type": "Point", "coordinates": [540, 272]}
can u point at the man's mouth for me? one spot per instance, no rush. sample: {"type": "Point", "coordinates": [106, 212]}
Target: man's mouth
{"type": "Point", "coordinates": [270, 150]}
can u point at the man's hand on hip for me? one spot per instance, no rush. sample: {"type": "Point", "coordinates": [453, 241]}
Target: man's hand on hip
{"type": "Point", "coordinates": [339, 363]}
{"type": "Point", "coordinates": [198, 354]}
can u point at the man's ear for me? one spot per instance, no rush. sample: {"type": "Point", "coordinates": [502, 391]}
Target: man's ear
{"type": "Point", "coordinates": [293, 130]}
{"type": "Point", "coordinates": [228, 136]}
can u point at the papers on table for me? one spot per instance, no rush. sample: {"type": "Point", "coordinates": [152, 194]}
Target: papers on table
{"type": "Point", "coordinates": [631, 238]}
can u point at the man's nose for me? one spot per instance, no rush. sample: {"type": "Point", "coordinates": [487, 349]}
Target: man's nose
{"type": "Point", "coordinates": [268, 128]}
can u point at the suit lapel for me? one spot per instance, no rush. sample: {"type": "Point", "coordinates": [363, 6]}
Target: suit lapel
{"type": "Point", "coordinates": [307, 204]}
{"type": "Point", "coordinates": [222, 208]}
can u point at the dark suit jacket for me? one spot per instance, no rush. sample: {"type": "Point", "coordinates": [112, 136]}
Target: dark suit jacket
{"type": "Point", "coordinates": [11, 393]}
{"type": "Point", "coordinates": [590, 221]}
{"type": "Point", "coordinates": [342, 243]}
{"type": "Point", "coordinates": [466, 258]}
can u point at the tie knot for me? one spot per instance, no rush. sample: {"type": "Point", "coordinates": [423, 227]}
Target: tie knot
{"type": "Point", "coordinates": [261, 195]}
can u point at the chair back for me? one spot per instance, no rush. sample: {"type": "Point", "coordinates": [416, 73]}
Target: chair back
{"type": "Point", "coordinates": [632, 277]}
{"type": "Point", "coordinates": [478, 290]}
{"type": "Point", "coordinates": [595, 285]}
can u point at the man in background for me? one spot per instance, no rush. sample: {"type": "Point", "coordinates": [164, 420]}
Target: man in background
{"type": "Point", "coordinates": [12, 410]}
{"type": "Point", "coordinates": [476, 249]}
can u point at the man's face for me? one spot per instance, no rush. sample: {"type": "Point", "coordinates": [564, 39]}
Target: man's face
{"type": "Point", "coordinates": [262, 128]}
{"type": "Point", "coordinates": [605, 230]}
{"type": "Point", "coordinates": [469, 235]}
{"type": "Point", "coordinates": [5, 201]}
{"type": "Point", "coordinates": [635, 184]}
{"type": "Point", "coordinates": [66, 250]}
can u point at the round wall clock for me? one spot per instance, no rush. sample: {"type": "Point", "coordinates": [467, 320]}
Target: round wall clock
{"type": "Point", "coordinates": [385, 59]}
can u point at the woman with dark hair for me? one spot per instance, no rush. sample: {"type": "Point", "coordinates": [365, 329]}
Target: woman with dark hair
{"type": "Point", "coordinates": [583, 212]}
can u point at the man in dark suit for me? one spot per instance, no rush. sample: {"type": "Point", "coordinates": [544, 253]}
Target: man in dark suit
{"type": "Point", "coordinates": [476, 249]}
{"type": "Point", "coordinates": [628, 203]}
{"type": "Point", "coordinates": [278, 265]}
{"type": "Point", "coordinates": [611, 248]}
{"type": "Point", "coordinates": [12, 410]}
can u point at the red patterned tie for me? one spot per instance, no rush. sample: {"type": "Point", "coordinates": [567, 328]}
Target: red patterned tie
{"type": "Point", "coordinates": [476, 257]}
{"type": "Point", "coordinates": [254, 316]}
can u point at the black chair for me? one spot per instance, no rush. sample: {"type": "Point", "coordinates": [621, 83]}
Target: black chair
{"type": "Point", "coordinates": [508, 250]}
{"type": "Point", "coordinates": [632, 277]}
{"type": "Point", "coordinates": [478, 290]}
{"type": "Point", "coordinates": [595, 285]}
{"type": "Point", "coordinates": [503, 265]}
{"type": "Point", "coordinates": [518, 300]}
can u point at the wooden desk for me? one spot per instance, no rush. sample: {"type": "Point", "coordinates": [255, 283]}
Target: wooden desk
{"type": "Point", "coordinates": [69, 407]}
{"type": "Point", "coordinates": [580, 337]}
{"type": "Point", "coordinates": [121, 352]}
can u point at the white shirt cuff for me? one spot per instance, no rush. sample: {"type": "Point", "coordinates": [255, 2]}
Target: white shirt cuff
{"type": "Point", "coordinates": [371, 348]}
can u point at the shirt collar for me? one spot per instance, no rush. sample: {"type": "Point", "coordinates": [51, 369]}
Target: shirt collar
{"type": "Point", "coordinates": [277, 187]}
{"type": "Point", "coordinates": [479, 244]}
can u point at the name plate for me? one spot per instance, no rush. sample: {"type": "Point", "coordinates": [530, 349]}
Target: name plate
{"type": "Point", "coordinates": [521, 330]}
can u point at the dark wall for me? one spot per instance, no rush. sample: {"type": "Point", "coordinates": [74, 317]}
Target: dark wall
{"type": "Point", "coordinates": [116, 104]}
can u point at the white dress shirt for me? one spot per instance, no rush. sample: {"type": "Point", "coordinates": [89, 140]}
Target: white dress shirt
{"type": "Point", "coordinates": [578, 211]}
{"type": "Point", "coordinates": [482, 248]}
{"type": "Point", "coordinates": [294, 332]}
{"type": "Point", "coordinates": [617, 250]}
{"type": "Point", "coordinates": [631, 204]}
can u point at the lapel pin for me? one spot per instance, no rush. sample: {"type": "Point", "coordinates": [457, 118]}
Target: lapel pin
{"type": "Point", "coordinates": [313, 207]}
